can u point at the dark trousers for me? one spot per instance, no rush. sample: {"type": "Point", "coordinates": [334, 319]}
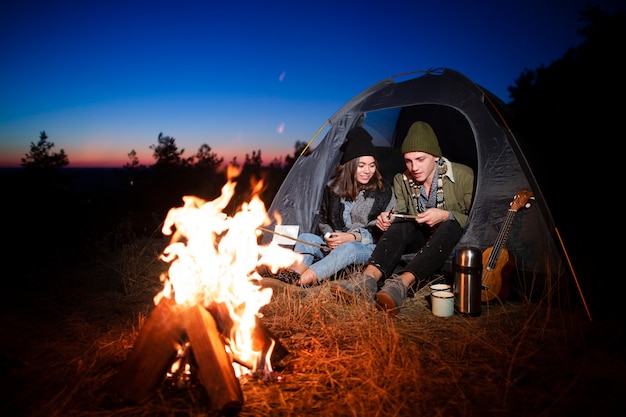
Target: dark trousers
{"type": "Point", "coordinates": [431, 246]}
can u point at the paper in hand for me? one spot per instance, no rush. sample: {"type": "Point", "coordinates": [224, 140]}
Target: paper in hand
{"type": "Point", "coordinates": [283, 233]}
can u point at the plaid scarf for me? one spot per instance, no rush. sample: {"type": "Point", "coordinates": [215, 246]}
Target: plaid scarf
{"type": "Point", "coordinates": [416, 189]}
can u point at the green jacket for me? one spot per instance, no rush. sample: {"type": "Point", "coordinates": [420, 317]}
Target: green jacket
{"type": "Point", "coordinates": [458, 190]}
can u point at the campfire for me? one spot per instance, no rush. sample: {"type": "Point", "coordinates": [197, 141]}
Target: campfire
{"type": "Point", "coordinates": [208, 310]}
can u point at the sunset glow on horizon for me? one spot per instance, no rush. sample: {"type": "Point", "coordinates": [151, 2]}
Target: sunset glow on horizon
{"type": "Point", "coordinates": [245, 77]}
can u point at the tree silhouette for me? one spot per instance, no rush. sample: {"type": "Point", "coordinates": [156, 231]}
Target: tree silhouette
{"type": "Point", "coordinates": [299, 148]}
{"type": "Point", "coordinates": [41, 156]}
{"type": "Point", "coordinates": [574, 88]}
{"type": "Point", "coordinates": [166, 152]}
{"type": "Point", "coordinates": [134, 160]}
{"type": "Point", "coordinates": [567, 102]}
{"type": "Point", "coordinates": [207, 159]}
{"type": "Point", "coordinates": [568, 122]}
{"type": "Point", "coordinates": [276, 163]}
{"type": "Point", "coordinates": [253, 162]}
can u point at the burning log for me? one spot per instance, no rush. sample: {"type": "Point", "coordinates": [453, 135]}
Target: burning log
{"type": "Point", "coordinates": [152, 354]}
{"type": "Point", "coordinates": [263, 339]}
{"type": "Point", "coordinates": [215, 368]}
{"type": "Point", "coordinates": [156, 348]}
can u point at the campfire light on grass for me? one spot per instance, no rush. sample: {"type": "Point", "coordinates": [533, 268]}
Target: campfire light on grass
{"type": "Point", "coordinates": [213, 261]}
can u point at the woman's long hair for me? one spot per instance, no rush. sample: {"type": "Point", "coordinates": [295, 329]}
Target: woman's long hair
{"type": "Point", "coordinates": [343, 182]}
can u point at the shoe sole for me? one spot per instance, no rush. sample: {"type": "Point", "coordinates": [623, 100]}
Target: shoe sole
{"type": "Point", "coordinates": [277, 284]}
{"type": "Point", "coordinates": [385, 303]}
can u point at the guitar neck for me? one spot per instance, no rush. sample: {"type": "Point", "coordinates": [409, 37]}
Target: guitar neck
{"type": "Point", "coordinates": [501, 239]}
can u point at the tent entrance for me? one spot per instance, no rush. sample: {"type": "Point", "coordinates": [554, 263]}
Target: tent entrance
{"type": "Point", "coordinates": [389, 127]}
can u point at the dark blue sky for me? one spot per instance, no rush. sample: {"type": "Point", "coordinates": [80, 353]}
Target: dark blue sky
{"type": "Point", "coordinates": [105, 77]}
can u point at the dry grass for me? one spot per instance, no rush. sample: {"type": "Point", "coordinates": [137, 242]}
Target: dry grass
{"type": "Point", "coordinates": [61, 351]}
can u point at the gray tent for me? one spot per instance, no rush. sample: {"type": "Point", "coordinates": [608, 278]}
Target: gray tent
{"type": "Point", "coordinates": [470, 124]}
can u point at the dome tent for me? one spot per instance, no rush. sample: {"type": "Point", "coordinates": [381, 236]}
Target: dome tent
{"type": "Point", "coordinates": [470, 124]}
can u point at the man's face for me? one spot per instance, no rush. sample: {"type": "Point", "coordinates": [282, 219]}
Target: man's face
{"type": "Point", "coordinates": [421, 165]}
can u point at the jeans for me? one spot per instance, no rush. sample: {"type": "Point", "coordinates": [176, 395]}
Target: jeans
{"type": "Point", "coordinates": [325, 264]}
{"type": "Point", "coordinates": [433, 247]}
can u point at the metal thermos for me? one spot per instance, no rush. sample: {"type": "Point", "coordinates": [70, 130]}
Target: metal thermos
{"type": "Point", "coordinates": [467, 269]}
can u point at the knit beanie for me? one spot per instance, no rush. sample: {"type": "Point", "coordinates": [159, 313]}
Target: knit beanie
{"type": "Point", "coordinates": [358, 143]}
{"type": "Point", "coordinates": [421, 138]}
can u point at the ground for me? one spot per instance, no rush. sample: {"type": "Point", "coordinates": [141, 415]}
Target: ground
{"type": "Point", "coordinates": [61, 349]}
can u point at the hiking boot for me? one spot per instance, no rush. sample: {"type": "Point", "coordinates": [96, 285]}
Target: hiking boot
{"type": "Point", "coordinates": [391, 297]}
{"type": "Point", "coordinates": [288, 276]}
{"type": "Point", "coordinates": [282, 279]}
{"type": "Point", "coordinates": [360, 287]}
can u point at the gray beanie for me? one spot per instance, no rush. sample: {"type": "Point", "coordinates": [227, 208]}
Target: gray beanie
{"type": "Point", "coordinates": [358, 143]}
{"type": "Point", "coordinates": [421, 138]}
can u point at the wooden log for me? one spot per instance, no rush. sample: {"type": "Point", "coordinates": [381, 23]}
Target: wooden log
{"type": "Point", "coordinates": [215, 369]}
{"type": "Point", "coordinates": [153, 353]}
{"type": "Point", "coordinates": [261, 337]}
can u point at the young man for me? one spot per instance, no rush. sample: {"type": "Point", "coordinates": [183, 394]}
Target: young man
{"type": "Point", "coordinates": [437, 195]}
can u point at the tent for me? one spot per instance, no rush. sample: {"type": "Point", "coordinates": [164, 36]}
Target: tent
{"type": "Point", "coordinates": [470, 124]}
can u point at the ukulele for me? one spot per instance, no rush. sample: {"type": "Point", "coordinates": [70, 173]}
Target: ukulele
{"type": "Point", "coordinates": [497, 264]}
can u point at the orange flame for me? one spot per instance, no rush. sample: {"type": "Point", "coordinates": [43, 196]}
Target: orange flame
{"type": "Point", "coordinates": [213, 260]}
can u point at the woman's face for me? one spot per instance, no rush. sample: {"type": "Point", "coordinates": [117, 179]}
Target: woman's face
{"type": "Point", "coordinates": [365, 169]}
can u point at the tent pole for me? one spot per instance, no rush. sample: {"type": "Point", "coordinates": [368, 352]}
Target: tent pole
{"type": "Point", "coordinates": [571, 268]}
{"type": "Point", "coordinates": [313, 138]}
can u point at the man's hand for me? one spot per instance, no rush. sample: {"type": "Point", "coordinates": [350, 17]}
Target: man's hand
{"type": "Point", "coordinates": [432, 216]}
{"type": "Point", "coordinates": [384, 220]}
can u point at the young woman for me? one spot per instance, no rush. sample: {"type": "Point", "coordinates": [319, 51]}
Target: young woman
{"type": "Point", "coordinates": [352, 200]}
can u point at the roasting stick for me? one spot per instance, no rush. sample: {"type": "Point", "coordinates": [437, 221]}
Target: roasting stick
{"type": "Point", "coordinates": [263, 229]}
{"type": "Point", "coordinates": [405, 216]}
{"type": "Point", "coordinates": [392, 212]}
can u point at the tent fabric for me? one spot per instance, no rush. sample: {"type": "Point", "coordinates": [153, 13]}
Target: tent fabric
{"type": "Point", "coordinates": [469, 122]}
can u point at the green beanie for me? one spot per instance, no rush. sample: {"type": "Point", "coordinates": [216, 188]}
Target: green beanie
{"type": "Point", "coordinates": [421, 138]}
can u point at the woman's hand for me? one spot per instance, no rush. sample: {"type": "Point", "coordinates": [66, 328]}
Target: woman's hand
{"type": "Point", "coordinates": [335, 239]}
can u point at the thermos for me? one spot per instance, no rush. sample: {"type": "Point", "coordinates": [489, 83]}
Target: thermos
{"type": "Point", "coordinates": [467, 269]}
